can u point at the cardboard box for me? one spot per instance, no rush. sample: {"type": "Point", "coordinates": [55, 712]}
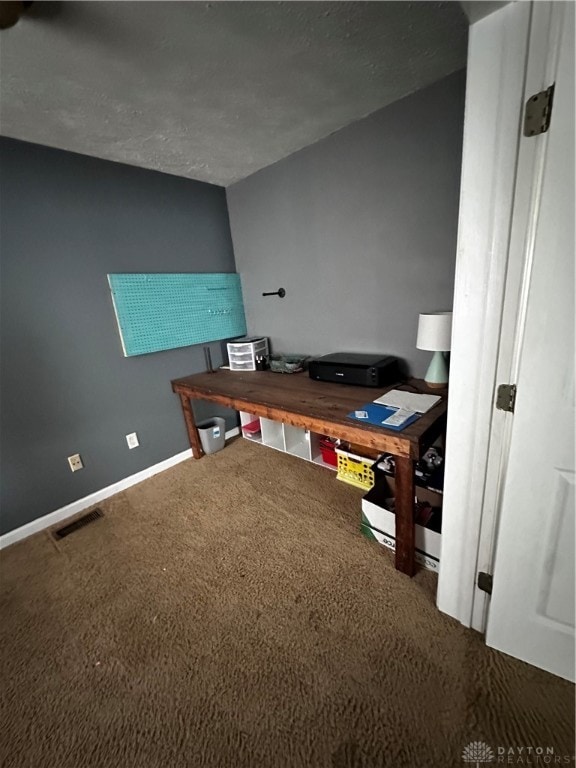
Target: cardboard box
{"type": "Point", "coordinates": [379, 521]}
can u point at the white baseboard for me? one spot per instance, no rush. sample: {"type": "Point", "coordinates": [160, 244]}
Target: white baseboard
{"type": "Point", "coordinates": [47, 521]}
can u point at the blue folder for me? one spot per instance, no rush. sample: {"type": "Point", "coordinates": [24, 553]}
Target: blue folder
{"type": "Point", "coordinates": [376, 414]}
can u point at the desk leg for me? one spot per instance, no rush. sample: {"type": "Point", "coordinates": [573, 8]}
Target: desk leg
{"type": "Point", "coordinates": [193, 435]}
{"type": "Point", "coordinates": [405, 515]}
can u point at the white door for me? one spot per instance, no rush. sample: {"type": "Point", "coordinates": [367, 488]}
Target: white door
{"type": "Point", "coordinates": [532, 609]}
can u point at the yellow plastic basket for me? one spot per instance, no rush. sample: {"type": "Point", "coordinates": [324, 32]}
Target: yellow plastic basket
{"type": "Point", "coordinates": [356, 470]}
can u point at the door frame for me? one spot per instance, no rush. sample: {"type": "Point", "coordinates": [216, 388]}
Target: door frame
{"type": "Point", "coordinates": [486, 301]}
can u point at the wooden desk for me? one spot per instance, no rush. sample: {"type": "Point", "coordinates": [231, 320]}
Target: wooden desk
{"type": "Point", "coordinates": [322, 407]}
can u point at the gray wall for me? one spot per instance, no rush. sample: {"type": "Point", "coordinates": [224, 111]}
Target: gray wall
{"type": "Point", "coordinates": [66, 221]}
{"type": "Point", "coordinates": [360, 229]}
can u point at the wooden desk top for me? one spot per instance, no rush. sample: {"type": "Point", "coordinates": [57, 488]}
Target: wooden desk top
{"type": "Point", "coordinates": [319, 406]}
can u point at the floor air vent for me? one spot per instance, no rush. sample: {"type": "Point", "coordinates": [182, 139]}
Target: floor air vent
{"type": "Point", "coordinates": [80, 522]}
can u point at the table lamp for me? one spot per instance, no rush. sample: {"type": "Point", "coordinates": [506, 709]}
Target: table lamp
{"type": "Point", "coordinates": [434, 332]}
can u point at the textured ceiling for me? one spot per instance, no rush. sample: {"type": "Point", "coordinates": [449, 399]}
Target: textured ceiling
{"type": "Point", "coordinates": [215, 90]}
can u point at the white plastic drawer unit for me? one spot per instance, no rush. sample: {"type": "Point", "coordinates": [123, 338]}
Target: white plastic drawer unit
{"type": "Point", "coordinates": [242, 353]}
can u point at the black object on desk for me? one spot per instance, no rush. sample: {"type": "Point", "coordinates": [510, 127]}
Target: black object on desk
{"type": "Point", "coordinates": [355, 368]}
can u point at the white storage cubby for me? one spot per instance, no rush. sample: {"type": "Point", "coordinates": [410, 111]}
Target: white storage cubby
{"type": "Point", "coordinates": [284, 437]}
{"type": "Point", "coordinates": [251, 427]}
{"type": "Point", "coordinates": [297, 441]}
{"type": "Point", "coordinates": [272, 434]}
{"type": "Point", "coordinates": [316, 453]}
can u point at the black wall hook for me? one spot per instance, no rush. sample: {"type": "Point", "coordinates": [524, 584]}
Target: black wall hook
{"type": "Point", "coordinates": [280, 292]}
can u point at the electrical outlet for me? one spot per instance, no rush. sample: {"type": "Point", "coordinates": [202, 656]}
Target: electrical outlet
{"type": "Point", "coordinates": [132, 440]}
{"type": "Point", "coordinates": [75, 462]}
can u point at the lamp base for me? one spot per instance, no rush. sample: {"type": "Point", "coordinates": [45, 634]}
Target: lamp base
{"type": "Point", "coordinates": [437, 373]}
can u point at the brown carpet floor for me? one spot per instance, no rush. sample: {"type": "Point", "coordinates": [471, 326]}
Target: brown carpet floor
{"type": "Point", "coordinates": [229, 613]}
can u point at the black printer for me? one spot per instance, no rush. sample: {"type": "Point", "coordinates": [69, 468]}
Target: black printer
{"type": "Point", "coordinates": [355, 368]}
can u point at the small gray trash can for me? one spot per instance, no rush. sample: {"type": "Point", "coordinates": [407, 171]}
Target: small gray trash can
{"type": "Point", "coordinates": [212, 434]}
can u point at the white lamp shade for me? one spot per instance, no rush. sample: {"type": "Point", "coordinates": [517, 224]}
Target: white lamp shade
{"type": "Point", "coordinates": [434, 331]}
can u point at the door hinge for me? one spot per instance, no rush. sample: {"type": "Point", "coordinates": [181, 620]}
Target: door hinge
{"type": "Point", "coordinates": [506, 397]}
{"type": "Point", "coordinates": [538, 112]}
{"type": "Point", "coordinates": [485, 581]}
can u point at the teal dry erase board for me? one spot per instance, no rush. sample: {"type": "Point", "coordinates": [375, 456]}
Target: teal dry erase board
{"type": "Point", "coordinates": [164, 311]}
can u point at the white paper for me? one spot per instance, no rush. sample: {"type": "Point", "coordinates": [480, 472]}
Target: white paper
{"type": "Point", "coordinates": [398, 418]}
{"type": "Point", "coordinates": [409, 400]}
